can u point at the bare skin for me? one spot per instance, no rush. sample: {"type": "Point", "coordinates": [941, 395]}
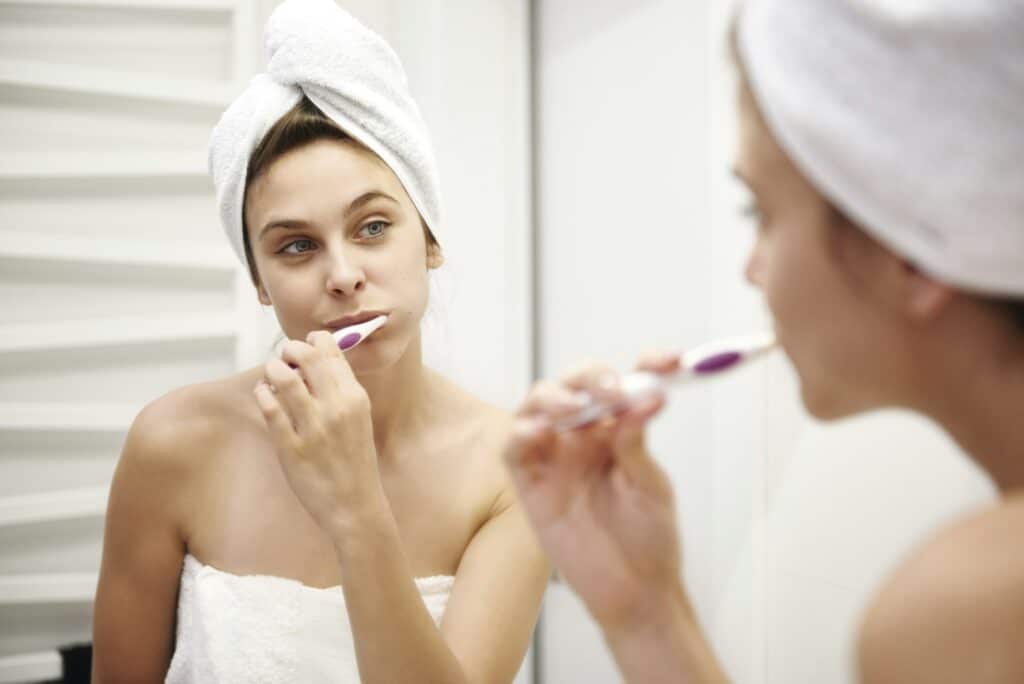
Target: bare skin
{"type": "Point", "coordinates": [245, 519]}
{"type": "Point", "coordinates": [895, 337]}
{"type": "Point", "coordinates": [363, 470]}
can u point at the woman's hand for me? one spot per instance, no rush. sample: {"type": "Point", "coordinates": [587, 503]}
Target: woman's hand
{"type": "Point", "coordinates": [603, 509]}
{"type": "Point", "coordinates": [319, 419]}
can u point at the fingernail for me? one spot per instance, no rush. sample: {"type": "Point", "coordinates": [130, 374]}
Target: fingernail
{"type": "Point", "coordinates": [608, 382]}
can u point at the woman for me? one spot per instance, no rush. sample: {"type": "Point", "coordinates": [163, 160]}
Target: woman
{"type": "Point", "coordinates": [883, 144]}
{"type": "Point", "coordinates": [240, 505]}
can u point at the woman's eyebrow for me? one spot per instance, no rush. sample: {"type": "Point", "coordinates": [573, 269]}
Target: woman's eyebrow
{"type": "Point", "coordinates": [356, 204]}
{"type": "Point", "coordinates": [289, 224]}
{"type": "Point", "coordinates": [364, 199]}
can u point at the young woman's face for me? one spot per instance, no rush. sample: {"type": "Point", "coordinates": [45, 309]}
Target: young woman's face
{"type": "Point", "coordinates": [815, 275]}
{"type": "Point", "coordinates": [334, 236]}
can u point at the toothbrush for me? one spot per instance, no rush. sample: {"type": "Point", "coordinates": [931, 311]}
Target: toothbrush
{"type": "Point", "coordinates": [705, 361]}
{"type": "Point", "coordinates": [351, 335]}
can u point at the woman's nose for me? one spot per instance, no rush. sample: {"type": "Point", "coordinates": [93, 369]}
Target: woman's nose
{"type": "Point", "coordinates": [345, 276]}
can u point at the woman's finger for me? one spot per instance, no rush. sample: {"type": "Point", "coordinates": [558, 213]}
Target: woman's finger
{"type": "Point", "coordinates": [629, 440]}
{"type": "Point", "coordinates": [290, 392]}
{"type": "Point", "coordinates": [328, 370]}
{"type": "Point", "coordinates": [660, 361]}
{"type": "Point", "coordinates": [278, 422]}
{"type": "Point", "coordinates": [552, 400]}
{"type": "Point", "coordinates": [631, 424]}
{"type": "Point", "coordinates": [532, 441]}
{"type": "Point", "coordinates": [542, 470]}
{"type": "Point", "coordinates": [597, 380]}
{"type": "Point", "coordinates": [296, 354]}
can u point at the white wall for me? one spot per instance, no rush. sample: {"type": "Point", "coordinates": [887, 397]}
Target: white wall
{"type": "Point", "coordinates": [787, 524]}
{"type": "Point", "coordinates": [623, 209]}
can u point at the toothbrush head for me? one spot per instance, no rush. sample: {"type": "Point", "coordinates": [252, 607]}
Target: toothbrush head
{"type": "Point", "coordinates": [717, 362]}
{"type": "Point", "coordinates": [713, 358]}
{"type": "Point", "coordinates": [351, 335]}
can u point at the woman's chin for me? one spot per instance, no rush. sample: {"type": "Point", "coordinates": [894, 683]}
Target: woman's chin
{"type": "Point", "coordinates": [830, 403]}
{"type": "Point", "coordinates": [373, 357]}
{"type": "Point", "coordinates": [821, 400]}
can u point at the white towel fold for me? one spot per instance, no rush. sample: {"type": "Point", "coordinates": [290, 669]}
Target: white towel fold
{"type": "Point", "coordinates": [348, 71]}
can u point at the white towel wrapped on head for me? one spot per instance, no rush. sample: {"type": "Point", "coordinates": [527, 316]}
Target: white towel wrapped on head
{"type": "Point", "coordinates": [354, 77]}
{"type": "Point", "coordinates": [909, 116]}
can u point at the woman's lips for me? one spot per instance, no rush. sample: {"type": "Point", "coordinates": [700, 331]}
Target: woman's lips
{"type": "Point", "coordinates": [352, 319]}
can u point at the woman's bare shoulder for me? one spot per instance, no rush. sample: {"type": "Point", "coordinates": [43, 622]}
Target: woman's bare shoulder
{"type": "Point", "coordinates": [479, 430]}
{"type": "Point", "coordinates": [474, 415]}
{"type": "Point", "coordinates": [955, 610]}
{"type": "Point", "coordinates": [176, 428]}
{"type": "Point", "coordinates": [493, 427]}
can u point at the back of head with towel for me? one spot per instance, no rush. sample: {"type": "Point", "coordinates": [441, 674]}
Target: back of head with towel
{"type": "Point", "coordinates": [884, 144]}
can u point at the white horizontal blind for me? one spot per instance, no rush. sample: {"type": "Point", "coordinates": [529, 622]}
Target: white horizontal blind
{"type": "Point", "coordinates": [115, 283]}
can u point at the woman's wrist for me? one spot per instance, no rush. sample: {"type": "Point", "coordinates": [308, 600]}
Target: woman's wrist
{"type": "Point", "coordinates": [658, 608]}
{"type": "Point", "coordinates": [662, 641]}
{"type": "Point", "coordinates": [364, 515]}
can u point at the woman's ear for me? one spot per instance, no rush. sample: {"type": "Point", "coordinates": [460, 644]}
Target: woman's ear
{"type": "Point", "coordinates": [925, 298]}
{"type": "Point", "coordinates": [898, 283]}
{"type": "Point", "coordinates": [435, 258]}
{"type": "Point", "coordinates": [261, 293]}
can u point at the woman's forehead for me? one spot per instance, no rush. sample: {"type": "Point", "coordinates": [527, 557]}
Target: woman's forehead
{"type": "Point", "coordinates": [762, 162]}
{"type": "Point", "coordinates": [323, 177]}
{"type": "Point", "coordinates": [760, 157]}
{"type": "Point", "coordinates": [330, 171]}
{"type": "Point", "coordinates": [335, 159]}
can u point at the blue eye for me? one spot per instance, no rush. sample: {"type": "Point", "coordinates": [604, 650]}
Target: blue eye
{"type": "Point", "coordinates": [373, 229]}
{"type": "Point", "coordinates": [287, 249]}
{"type": "Point", "coordinates": [749, 207]}
{"type": "Point", "coordinates": [753, 212]}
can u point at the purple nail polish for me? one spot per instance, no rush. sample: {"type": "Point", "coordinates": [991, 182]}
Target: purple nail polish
{"type": "Point", "coordinates": [349, 341]}
{"type": "Point", "coordinates": [717, 362]}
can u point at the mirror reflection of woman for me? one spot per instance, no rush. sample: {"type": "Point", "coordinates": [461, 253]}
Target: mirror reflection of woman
{"type": "Point", "coordinates": [883, 144]}
{"type": "Point", "coordinates": [327, 516]}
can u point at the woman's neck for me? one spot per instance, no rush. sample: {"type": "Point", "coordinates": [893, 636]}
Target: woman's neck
{"type": "Point", "coordinates": [978, 396]}
{"type": "Point", "coordinates": [400, 397]}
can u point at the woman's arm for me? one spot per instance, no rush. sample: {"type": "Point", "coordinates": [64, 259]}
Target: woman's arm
{"type": "Point", "coordinates": [663, 642]}
{"type": "Point", "coordinates": [490, 615]}
{"type": "Point", "coordinates": [605, 513]}
{"type": "Point", "coordinates": [497, 596]}
{"type": "Point", "coordinates": [134, 616]}
{"type": "Point", "coordinates": [319, 420]}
